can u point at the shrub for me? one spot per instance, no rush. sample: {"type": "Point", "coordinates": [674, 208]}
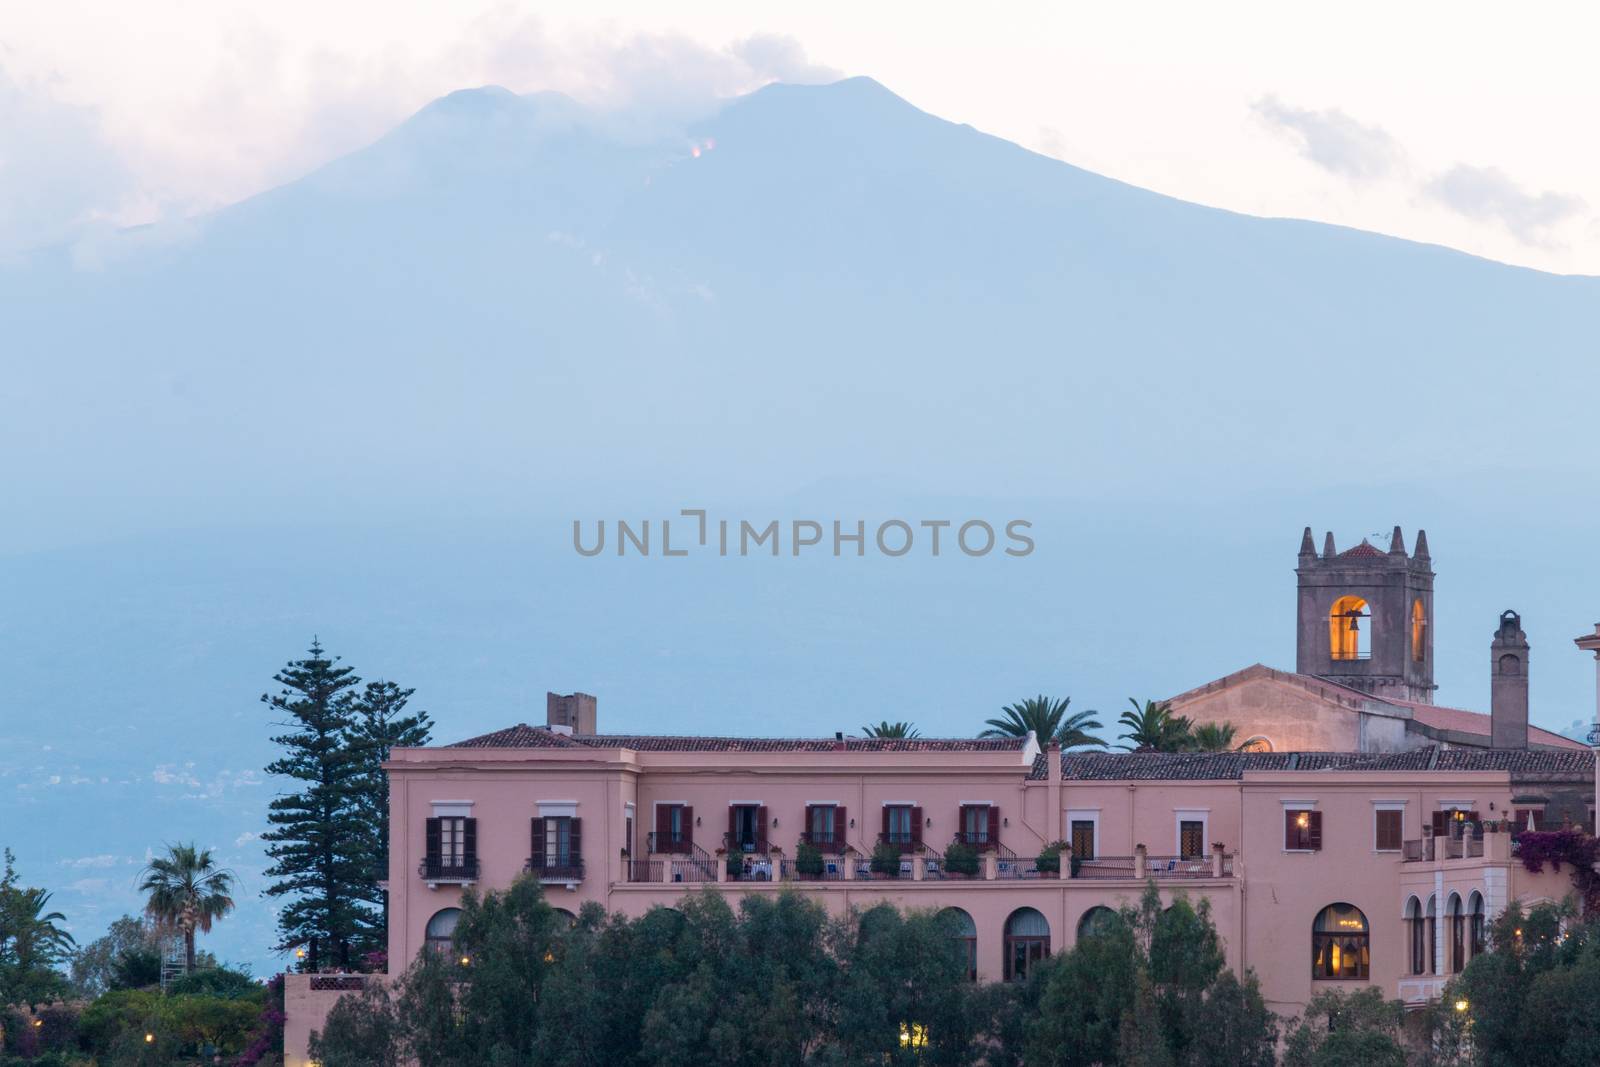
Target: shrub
{"type": "Point", "coordinates": [886, 859]}
{"type": "Point", "coordinates": [221, 982]}
{"type": "Point", "coordinates": [961, 858]}
{"type": "Point", "coordinates": [808, 859]}
{"type": "Point", "coordinates": [1050, 857]}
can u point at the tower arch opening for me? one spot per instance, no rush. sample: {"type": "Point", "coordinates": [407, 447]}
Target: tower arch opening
{"type": "Point", "coordinates": [1345, 629]}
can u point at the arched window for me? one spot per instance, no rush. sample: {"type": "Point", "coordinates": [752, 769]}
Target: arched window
{"type": "Point", "coordinates": [1475, 909]}
{"type": "Point", "coordinates": [1097, 920]}
{"type": "Point", "coordinates": [1419, 631]}
{"type": "Point", "coordinates": [1339, 948]}
{"type": "Point", "coordinates": [1417, 925]}
{"type": "Point", "coordinates": [1432, 919]}
{"type": "Point", "coordinates": [1344, 628]}
{"type": "Point", "coordinates": [1256, 744]}
{"type": "Point", "coordinates": [442, 929]}
{"type": "Point", "coordinates": [1027, 941]}
{"type": "Point", "coordinates": [967, 935]}
{"type": "Point", "coordinates": [566, 919]}
{"type": "Point", "coordinates": [1458, 933]}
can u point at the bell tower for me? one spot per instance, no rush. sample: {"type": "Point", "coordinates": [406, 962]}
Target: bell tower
{"type": "Point", "coordinates": [1365, 617]}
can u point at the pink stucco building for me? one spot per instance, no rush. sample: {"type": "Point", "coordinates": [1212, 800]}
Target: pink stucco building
{"type": "Point", "coordinates": [1321, 868]}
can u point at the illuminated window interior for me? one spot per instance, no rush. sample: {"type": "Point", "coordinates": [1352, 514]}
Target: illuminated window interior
{"type": "Point", "coordinates": [1345, 621]}
{"type": "Point", "coordinates": [1339, 943]}
{"type": "Point", "coordinates": [1256, 744]}
{"type": "Point", "coordinates": [1419, 631]}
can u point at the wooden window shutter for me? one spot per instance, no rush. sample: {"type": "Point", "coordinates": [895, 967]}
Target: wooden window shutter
{"type": "Point", "coordinates": [1472, 817]}
{"type": "Point", "coordinates": [1441, 824]}
{"type": "Point", "coordinates": [1314, 832]}
{"type": "Point", "coordinates": [469, 841]}
{"type": "Point", "coordinates": [688, 829]}
{"type": "Point", "coordinates": [916, 827]}
{"type": "Point", "coordinates": [577, 841]}
{"type": "Point", "coordinates": [839, 825]}
{"type": "Point", "coordinates": [663, 827]}
{"type": "Point", "coordinates": [733, 828]}
{"type": "Point", "coordinates": [761, 828]}
{"type": "Point", "coordinates": [810, 827]}
{"type": "Point", "coordinates": [536, 847]}
{"type": "Point", "coordinates": [886, 822]}
{"type": "Point", "coordinates": [994, 825]}
{"type": "Point", "coordinates": [431, 840]}
{"type": "Point", "coordinates": [1291, 832]}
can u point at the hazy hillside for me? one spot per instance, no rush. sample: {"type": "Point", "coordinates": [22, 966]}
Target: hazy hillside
{"type": "Point", "coordinates": [369, 404]}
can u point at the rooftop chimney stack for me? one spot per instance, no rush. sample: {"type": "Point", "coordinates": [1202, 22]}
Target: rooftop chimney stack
{"type": "Point", "coordinates": [1508, 686]}
{"type": "Point", "coordinates": [575, 711]}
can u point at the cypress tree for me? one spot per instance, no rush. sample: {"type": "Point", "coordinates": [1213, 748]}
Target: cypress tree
{"type": "Point", "coordinates": [316, 840]}
{"type": "Point", "coordinates": [380, 724]}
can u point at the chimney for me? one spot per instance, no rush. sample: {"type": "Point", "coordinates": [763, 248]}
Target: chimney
{"type": "Point", "coordinates": [1508, 684]}
{"type": "Point", "coordinates": [576, 711]}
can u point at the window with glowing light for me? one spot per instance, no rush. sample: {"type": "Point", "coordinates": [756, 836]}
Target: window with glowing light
{"type": "Point", "coordinates": [1302, 830]}
{"type": "Point", "coordinates": [1345, 621]}
{"type": "Point", "coordinates": [1419, 631]}
{"type": "Point", "coordinates": [1339, 944]}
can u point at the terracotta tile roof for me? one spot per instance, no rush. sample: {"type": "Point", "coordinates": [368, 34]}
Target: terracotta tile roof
{"type": "Point", "coordinates": [1476, 722]}
{"type": "Point", "coordinates": [1227, 766]}
{"type": "Point", "coordinates": [525, 736]}
{"type": "Point", "coordinates": [1365, 550]}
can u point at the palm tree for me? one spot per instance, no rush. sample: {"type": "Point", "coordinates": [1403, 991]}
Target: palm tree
{"type": "Point", "coordinates": [186, 891]}
{"type": "Point", "coordinates": [891, 729]}
{"type": "Point", "coordinates": [1049, 721]}
{"type": "Point", "coordinates": [1213, 737]}
{"type": "Point", "coordinates": [1154, 727]}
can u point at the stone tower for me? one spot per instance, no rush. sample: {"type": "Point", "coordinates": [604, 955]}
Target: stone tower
{"type": "Point", "coordinates": [1508, 684]}
{"type": "Point", "coordinates": [1366, 617]}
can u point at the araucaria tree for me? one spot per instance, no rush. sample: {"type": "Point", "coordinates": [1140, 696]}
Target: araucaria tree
{"type": "Point", "coordinates": [318, 843]}
{"type": "Point", "coordinates": [379, 723]}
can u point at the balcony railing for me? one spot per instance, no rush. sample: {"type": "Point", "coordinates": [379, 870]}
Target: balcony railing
{"type": "Point", "coordinates": [642, 870]}
{"type": "Point", "coordinates": [903, 840]}
{"type": "Point", "coordinates": [556, 868]}
{"type": "Point", "coordinates": [935, 867]}
{"type": "Point", "coordinates": [834, 869]}
{"type": "Point", "coordinates": [1164, 867]}
{"type": "Point", "coordinates": [754, 867]}
{"type": "Point", "coordinates": [981, 840]}
{"type": "Point", "coordinates": [1448, 848]}
{"type": "Point", "coordinates": [1104, 867]}
{"type": "Point", "coordinates": [435, 869]}
{"type": "Point", "coordinates": [1008, 865]}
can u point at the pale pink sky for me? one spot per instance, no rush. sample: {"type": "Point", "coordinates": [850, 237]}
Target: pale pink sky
{"type": "Point", "coordinates": [1465, 124]}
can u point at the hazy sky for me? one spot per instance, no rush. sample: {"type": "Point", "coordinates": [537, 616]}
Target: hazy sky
{"type": "Point", "coordinates": [1466, 124]}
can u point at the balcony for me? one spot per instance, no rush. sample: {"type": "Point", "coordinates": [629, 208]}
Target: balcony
{"type": "Point", "coordinates": [561, 869]}
{"type": "Point", "coordinates": [1429, 849]}
{"type": "Point", "coordinates": [437, 871]}
{"type": "Point", "coordinates": [978, 839]}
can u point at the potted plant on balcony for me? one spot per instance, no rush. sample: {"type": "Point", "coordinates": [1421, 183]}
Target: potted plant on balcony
{"type": "Point", "coordinates": [961, 858]}
{"type": "Point", "coordinates": [808, 860]}
{"type": "Point", "coordinates": [1049, 861]}
{"type": "Point", "coordinates": [885, 860]}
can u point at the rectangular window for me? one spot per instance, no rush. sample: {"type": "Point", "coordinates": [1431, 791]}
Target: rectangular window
{"type": "Point", "coordinates": [556, 849]}
{"type": "Point", "coordinates": [980, 825]}
{"type": "Point", "coordinates": [1388, 829]}
{"type": "Point", "coordinates": [1191, 839]}
{"type": "Point", "coordinates": [452, 842]}
{"type": "Point", "coordinates": [897, 825]}
{"type": "Point", "coordinates": [674, 828]}
{"type": "Point", "coordinates": [1302, 830]}
{"type": "Point", "coordinates": [627, 834]}
{"type": "Point", "coordinates": [1083, 839]}
{"type": "Point", "coordinates": [450, 848]}
{"type": "Point", "coordinates": [825, 826]}
{"type": "Point", "coordinates": [747, 828]}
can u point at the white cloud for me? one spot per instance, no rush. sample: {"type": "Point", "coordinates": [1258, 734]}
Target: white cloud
{"type": "Point", "coordinates": [57, 170]}
{"type": "Point", "coordinates": [245, 838]}
{"type": "Point", "coordinates": [171, 774]}
{"type": "Point", "coordinates": [1333, 140]}
{"type": "Point", "coordinates": [87, 862]}
{"type": "Point", "coordinates": [1488, 194]}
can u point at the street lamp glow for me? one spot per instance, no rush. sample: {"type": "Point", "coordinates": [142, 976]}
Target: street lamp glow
{"type": "Point", "coordinates": [149, 1038]}
{"type": "Point", "coordinates": [1462, 1006]}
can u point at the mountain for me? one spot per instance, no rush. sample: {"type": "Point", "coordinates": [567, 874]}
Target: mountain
{"type": "Point", "coordinates": [369, 404]}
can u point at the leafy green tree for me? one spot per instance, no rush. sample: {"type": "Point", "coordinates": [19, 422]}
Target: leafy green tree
{"type": "Point", "coordinates": [1153, 727]}
{"type": "Point", "coordinates": [137, 968]}
{"type": "Point", "coordinates": [1085, 994]}
{"type": "Point", "coordinates": [318, 842]}
{"type": "Point", "coordinates": [901, 989]}
{"type": "Point", "coordinates": [96, 966]}
{"type": "Point", "coordinates": [32, 944]}
{"type": "Point", "coordinates": [1235, 1028]}
{"type": "Point", "coordinates": [1359, 1029]}
{"type": "Point", "coordinates": [891, 729]}
{"type": "Point", "coordinates": [186, 891]}
{"type": "Point", "coordinates": [1048, 720]}
{"type": "Point", "coordinates": [362, 1030]}
{"type": "Point", "coordinates": [1142, 1041]}
{"type": "Point", "coordinates": [1213, 737]}
{"type": "Point", "coordinates": [379, 723]}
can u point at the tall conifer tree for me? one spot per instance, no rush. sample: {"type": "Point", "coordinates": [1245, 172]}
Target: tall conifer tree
{"type": "Point", "coordinates": [316, 840]}
{"type": "Point", "coordinates": [380, 724]}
